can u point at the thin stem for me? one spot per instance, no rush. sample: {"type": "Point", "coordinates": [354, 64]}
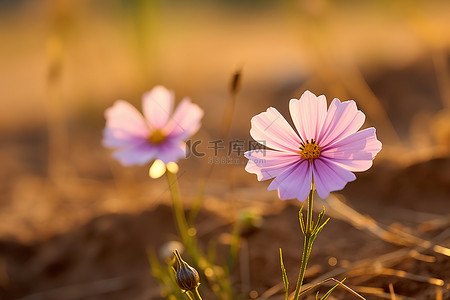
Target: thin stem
{"type": "Point", "coordinates": [194, 294]}
{"type": "Point", "coordinates": [306, 245]}
{"type": "Point", "coordinates": [178, 209]}
{"type": "Point", "coordinates": [197, 295]}
{"type": "Point", "coordinates": [189, 295]}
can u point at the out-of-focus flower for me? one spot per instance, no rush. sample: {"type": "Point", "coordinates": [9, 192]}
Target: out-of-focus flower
{"type": "Point", "coordinates": [327, 148]}
{"type": "Point", "coordinates": [158, 134]}
{"type": "Point", "coordinates": [166, 251]}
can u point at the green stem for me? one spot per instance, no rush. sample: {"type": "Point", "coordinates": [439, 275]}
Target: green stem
{"type": "Point", "coordinates": [188, 294]}
{"type": "Point", "coordinates": [195, 295]}
{"type": "Point", "coordinates": [178, 209]}
{"type": "Point", "coordinates": [307, 245]}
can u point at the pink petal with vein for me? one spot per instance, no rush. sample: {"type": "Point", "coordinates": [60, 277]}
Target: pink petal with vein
{"type": "Point", "coordinates": [355, 152]}
{"type": "Point", "coordinates": [342, 120]}
{"type": "Point", "coordinates": [272, 129]}
{"type": "Point", "coordinates": [308, 114]}
{"type": "Point", "coordinates": [329, 177]}
{"type": "Point", "coordinates": [294, 182]}
{"type": "Point", "coordinates": [267, 164]}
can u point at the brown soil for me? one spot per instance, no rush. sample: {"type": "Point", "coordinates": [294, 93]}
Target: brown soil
{"type": "Point", "coordinates": [106, 257]}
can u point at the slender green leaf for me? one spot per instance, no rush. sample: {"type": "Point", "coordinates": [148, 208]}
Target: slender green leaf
{"type": "Point", "coordinates": [284, 274]}
{"type": "Point", "coordinates": [302, 221]}
{"type": "Point", "coordinates": [321, 226]}
{"type": "Point", "coordinates": [319, 219]}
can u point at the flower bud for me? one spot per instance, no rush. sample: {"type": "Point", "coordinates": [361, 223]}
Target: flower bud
{"type": "Point", "coordinates": [236, 81]}
{"type": "Point", "coordinates": [186, 276]}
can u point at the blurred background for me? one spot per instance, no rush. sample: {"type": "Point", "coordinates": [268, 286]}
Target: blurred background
{"type": "Point", "coordinates": [71, 216]}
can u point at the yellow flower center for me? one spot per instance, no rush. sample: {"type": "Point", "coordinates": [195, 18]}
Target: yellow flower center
{"type": "Point", "coordinates": [309, 150]}
{"type": "Point", "coordinates": [157, 137]}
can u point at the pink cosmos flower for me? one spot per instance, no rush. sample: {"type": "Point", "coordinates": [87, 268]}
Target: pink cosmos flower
{"type": "Point", "coordinates": [158, 134]}
{"type": "Point", "coordinates": [326, 148]}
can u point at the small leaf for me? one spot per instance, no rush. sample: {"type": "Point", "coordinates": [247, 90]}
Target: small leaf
{"type": "Point", "coordinates": [236, 81]}
{"type": "Point", "coordinates": [302, 223]}
{"type": "Point", "coordinates": [319, 219]}
{"type": "Point", "coordinates": [300, 219]}
{"type": "Point", "coordinates": [285, 278]}
{"type": "Point", "coordinates": [321, 226]}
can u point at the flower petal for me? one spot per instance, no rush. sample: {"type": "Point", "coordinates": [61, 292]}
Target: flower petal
{"type": "Point", "coordinates": [127, 119]}
{"type": "Point", "coordinates": [270, 128]}
{"type": "Point", "coordinates": [308, 114]}
{"type": "Point", "coordinates": [294, 182]}
{"type": "Point", "coordinates": [330, 177]}
{"type": "Point", "coordinates": [116, 137]}
{"type": "Point", "coordinates": [171, 151]}
{"type": "Point", "coordinates": [267, 164]}
{"type": "Point", "coordinates": [185, 121]}
{"type": "Point", "coordinates": [355, 152]}
{"type": "Point", "coordinates": [157, 106]}
{"type": "Point", "coordinates": [136, 155]}
{"type": "Point", "coordinates": [342, 120]}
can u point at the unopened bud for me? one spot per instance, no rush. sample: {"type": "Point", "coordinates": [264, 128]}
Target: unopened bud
{"type": "Point", "coordinates": [186, 276]}
{"type": "Point", "coordinates": [236, 81]}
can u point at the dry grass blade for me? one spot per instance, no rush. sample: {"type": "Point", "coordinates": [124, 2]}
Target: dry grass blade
{"type": "Point", "coordinates": [391, 291]}
{"type": "Point", "coordinates": [272, 291]}
{"type": "Point", "coordinates": [340, 210]}
{"type": "Point", "coordinates": [441, 250]}
{"type": "Point", "coordinates": [415, 277]}
{"type": "Point", "coordinates": [439, 294]}
{"type": "Point", "coordinates": [437, 223]}
{"type": "Point", "coordinates": [341, 284]}
{"type": "Point", "coordinates": [422, 257]}
{"type": "Point", "coordinates": [380, 293]}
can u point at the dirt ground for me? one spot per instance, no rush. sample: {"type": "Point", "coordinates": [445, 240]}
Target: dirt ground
{"type": "Point", "coordinates": [105, 258]}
